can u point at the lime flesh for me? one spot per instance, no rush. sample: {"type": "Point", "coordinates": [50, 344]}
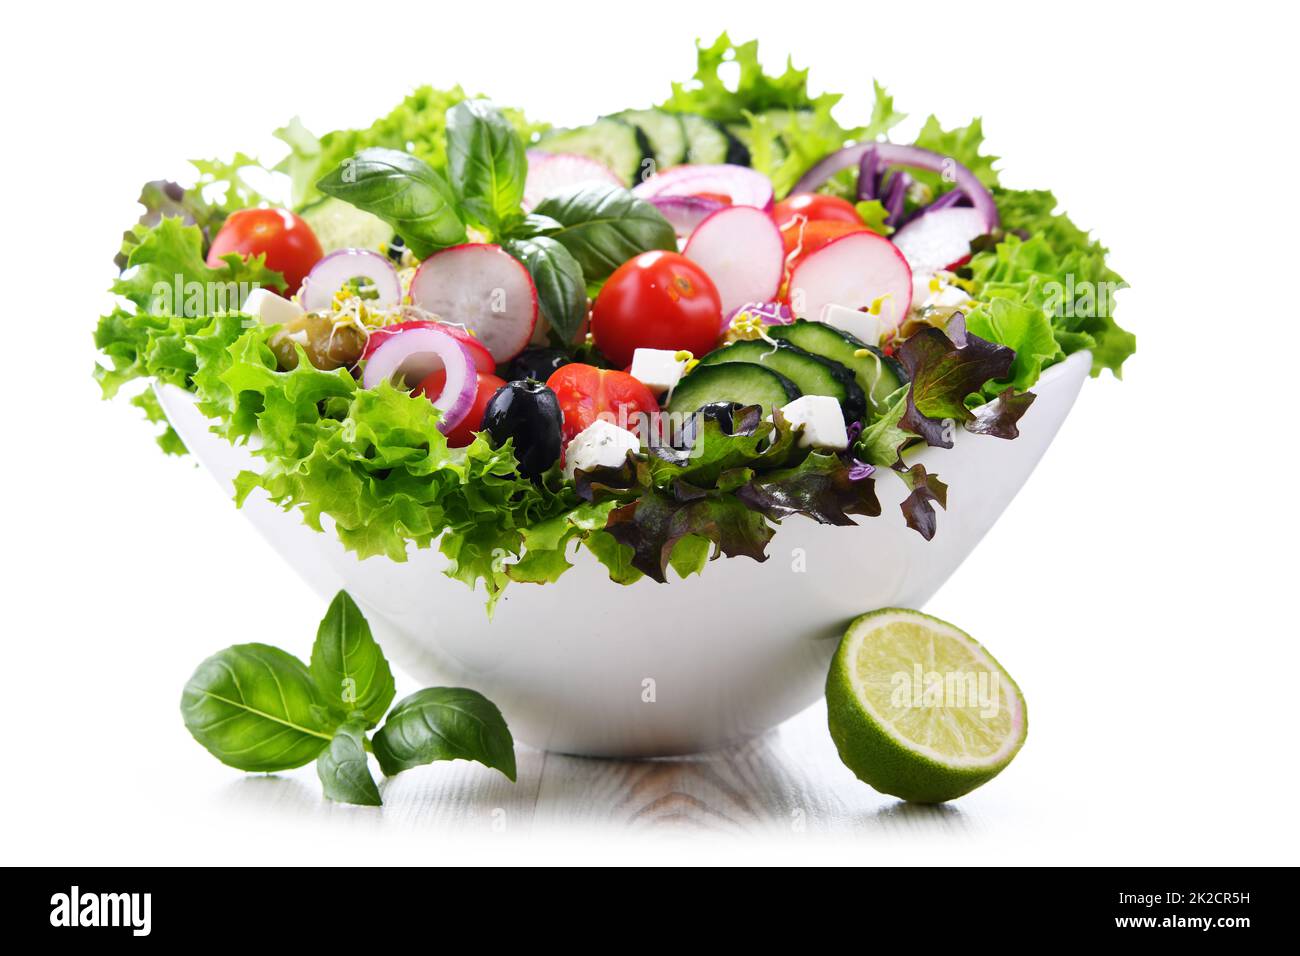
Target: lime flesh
{"type": "Point", "coordinates": [918, 709]}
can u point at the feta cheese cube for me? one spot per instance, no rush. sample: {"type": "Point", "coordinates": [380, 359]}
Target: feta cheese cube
{"type": "Point", "coordinates": [822, 421]}
{"type": "Point", "coordinates": [936, 289]}
{"type": "Point", "coordinates": [658, 369]}
{"type": "Point", "coordinates": [863, 326]}
{"type": "Point", "coordinates": [922, 286]}
{"type": "Point", "coordinates": [271, 309]}
{"type": "Point", "coordinates": [600, 444]}
{"type": "Point", "coordinates": [950, 296]}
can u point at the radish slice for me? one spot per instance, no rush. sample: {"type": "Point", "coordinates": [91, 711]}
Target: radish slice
{"type": "Point", "coordinates": [853, 271]}
{"type": "Point", "coordinates": [410, 356]}
{"type": "Point", "coordinates": [483, 361]}
{"type": "Point", "coordinates": [745, 186]}
{"type": "Point", "coordinates": [339, 268]}
{"type": "Point", "coordinates": [686, 212]}
{"type": "Point", "coordinates": [551, 172]}
{"type": "Point", "coordinates": [740, 249]}
{"type": "Point", "coordinates": [483, 288]}
{"type": "Point", "coordinates": [939, 238]}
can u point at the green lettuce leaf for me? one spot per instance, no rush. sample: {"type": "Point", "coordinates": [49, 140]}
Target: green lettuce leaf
{"type": "Point", "coordinates": [964, 144]}
{"type": "Point", "coordinates": [1048, 265]}
{"type": "Point", "coordinates": [785, 128]}
{"type": "Point", "coordinates": [416, 125]}
{"type": "Point", "coordinates": [166, 272]}
{"type": "Point", "coordinates": [756, 91]}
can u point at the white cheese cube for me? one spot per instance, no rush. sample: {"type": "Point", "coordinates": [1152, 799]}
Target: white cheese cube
{"type": "Point", "coordinates": [822, 421]}
{"type": "Point", "coordinates": [936, 289]}
{"type": "Point", "coordinates": [950, 296]}
{"type": "Point", "coordinates": [658, 369]}
{"type": "Point", "coordinates": [601, 444]}
{"type": "Point", "coordinates": [921, 288]}
{"type": "Point", "coordinates": [271, 309]}
{"type": "Point", "coordinates": [863, 326]}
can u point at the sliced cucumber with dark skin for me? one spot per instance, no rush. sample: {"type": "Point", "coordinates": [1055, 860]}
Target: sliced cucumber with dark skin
{"type": "Point", "coordinates": [742, 135]}
{"type": "Point", "coordinates": [739, 382]}
{"type": "Point", "coordinates": [737, 151]}
{"type": "Point", "coordinates": [620, 146]}
{"type": "Point", "coordinates": [664, 132]}
{"type": "Point", "coordinates": [705, 141]}
{"type": "Point", "coordinates": [878, 375]}
{"type": "Point", "coordinates": [813, 374]}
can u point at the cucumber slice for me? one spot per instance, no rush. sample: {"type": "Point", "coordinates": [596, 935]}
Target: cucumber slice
{"type": "Point", "coordinates": [742, 140]}
{"type": "Point", "coordinates": [813, 374]}
{"type": "Point", "coordinates": [705, 141]}
{"type": "Point", "coordinates": [341, 225]}
{"type": "Point", "coordinates": [737, 151]}
{"type": "Point", "coordinates": [620, 146]}
{"type": "Point", "coordinates": [664, 131]}
{"type": "Point", "coordinates": [732, 382]}
{"type": "Point", "coordinates": [878, 375]}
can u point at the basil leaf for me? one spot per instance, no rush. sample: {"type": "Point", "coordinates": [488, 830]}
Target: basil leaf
{"type": "Point", "coordinates": [561, 289]}
{"type": "Point", "coordinates": [255, 707]}
{"type": "Point", "coordinates": [445, 723]}
{"type": "Point", "coordinates": [487, 162]}
{"type": "Point", "coordinates": [604, 226]}
{"type": "Point", "coordinates": [342, 768]}
{"type": "Point", "coordinates": [533, 225]}
{"type": "Point", "coordinates": [347, 665]}
{"type": "Point", "coordinates": [405, 192]}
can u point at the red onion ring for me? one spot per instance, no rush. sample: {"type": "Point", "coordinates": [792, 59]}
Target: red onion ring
{"type": "Point", "coordinates": [412, 355]}
{"type": "Point", "coordinates": [891, 154]}
{"type": "Point", "coordinates": [335, 270]}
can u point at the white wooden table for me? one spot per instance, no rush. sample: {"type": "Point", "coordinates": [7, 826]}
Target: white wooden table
{"type": "Point", "coordinates": [789, 780]}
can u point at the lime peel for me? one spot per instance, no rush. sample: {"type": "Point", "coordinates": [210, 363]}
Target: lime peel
{"type": "Point", "coordinates": [920, 710]}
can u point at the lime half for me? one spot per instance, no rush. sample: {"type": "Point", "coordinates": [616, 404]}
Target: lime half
{"type": "Point", "coordinates": [918, 709]}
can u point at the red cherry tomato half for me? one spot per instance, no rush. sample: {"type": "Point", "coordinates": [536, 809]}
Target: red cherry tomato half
{"type": "Point", "coordinates": [716, 197]}
{"type": "Point", "coordinates": [658, 300]}
{"type": "Point", "coordinates": [816, 206]}
{"type": "Point", "coordinates": [584, 392]}
{"type": "Point", "coordinates": [288, 243]}
{"type": "Point", "coordinates": [463, 433]}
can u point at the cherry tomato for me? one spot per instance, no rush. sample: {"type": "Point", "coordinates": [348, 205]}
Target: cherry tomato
{"type": "Point", "coordinates": [659, 300]}
{"type": "Point", "coordinates": [716, 197]}
{"type": "Point", "coordinates": [291, 248]}
{"type": "Point", "coordinates": [816, 206]}
{"type": "Point", "coordinates": [463, 433]}
{"type": "Point", "coordinates": [584, 392]}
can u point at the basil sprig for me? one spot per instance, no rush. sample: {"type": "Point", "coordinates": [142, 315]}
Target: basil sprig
{"type": "Point", "coordinates": [260, 709]}
{"type": "Point", "coordinates": [487, 163]}
{"type": "Point", "coordinates": [573, 240]}
{"type": "Point", "coordinates": [604, 226]}
{"type": "Point", "coordinates": [557, 276]}
{"type": "Point", "coordinates": [405, 192]}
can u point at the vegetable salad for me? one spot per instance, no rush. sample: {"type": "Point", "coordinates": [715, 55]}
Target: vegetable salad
{"type": "Point", "coordinates": [654, 336]}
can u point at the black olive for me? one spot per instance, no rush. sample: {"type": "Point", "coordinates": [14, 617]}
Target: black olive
{"type": "Point", "coordinates": [395, 249]}
{"type": "Point", "coordinates": [528, 412]}
{"type": "Point", "coordinates": [537, 364]}
{"type": "Point", "coordinates": [721, 412]}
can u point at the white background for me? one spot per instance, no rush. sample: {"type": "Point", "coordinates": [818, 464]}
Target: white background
{"type": "Point", "coordinates": [1141, 588]}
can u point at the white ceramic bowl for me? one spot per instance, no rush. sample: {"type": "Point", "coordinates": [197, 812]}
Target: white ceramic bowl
{"type": "Point", "coordinates": [586, 666]}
